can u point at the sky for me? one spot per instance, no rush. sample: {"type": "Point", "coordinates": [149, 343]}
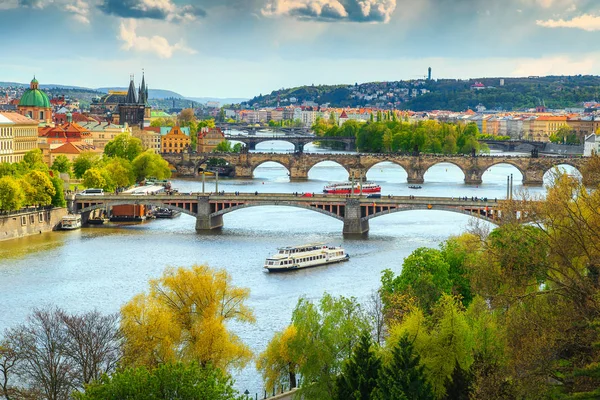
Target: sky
{"type": "Point", "coordinates": [242, 48]}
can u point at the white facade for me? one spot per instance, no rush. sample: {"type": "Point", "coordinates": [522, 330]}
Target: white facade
{"type": "Point", "coordinates": [308, 118]}
{"type": "Point", "coordinates": [592, 145]}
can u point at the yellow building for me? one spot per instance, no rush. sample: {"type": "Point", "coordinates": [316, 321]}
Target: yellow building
{"type": "Point", "coordinates": [209, 139]}
{"type": "Point", "coordinates": [18, 135]}
{"type": "Point", "coordinates": [103, 132]}
{"type": "Point", "coordinates": [545, 126]}
{"type": "Point", "coordinates": [175, 141]}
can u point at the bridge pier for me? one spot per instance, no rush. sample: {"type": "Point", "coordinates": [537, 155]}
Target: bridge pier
{"type": "Point", "coordinates": [298, 174]}
{"type": "Point", "coordinates": [533, 177]}
{"type": "Point", "coordinates": [353, 222]}
{"type": "Point", "coordinates": [416, 176]}
{"type": "Point", "coordinates": [243, 172]}
{"type": "Point", "coordinates": [473, 177]}
{"type": "Point", "coordinates": [356, 173]}
{"type": "Point", "coordinates": [204, 220]}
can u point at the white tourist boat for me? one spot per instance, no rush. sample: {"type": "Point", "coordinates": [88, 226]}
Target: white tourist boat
{"type": "Point", "coordinates": [305, 256]}
{"type": "Point", "coordinates": [70, 222]}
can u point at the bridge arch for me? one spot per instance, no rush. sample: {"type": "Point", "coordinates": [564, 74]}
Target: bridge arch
{"type": "Point", "coordinates": [424, 207]}
{"type": "Point", "coordinates": [326, 158]}
{"type": "Point", "coordinates": [388, 170]}
{"type": "Point", "coordinates": [142, 201]}
{"type": "Point", "coordinates": [261, 143]}
{"type": "Point", "coordinates": [572, 170]}
{"type": "Point", "coordinates": [339, 171]}
{"type": "Point", "coordinates": [270, 164]}
{"type": "Point", "coordinates": [440, 164]}
{"type": "Point", "coordinates": [279, 204]}
{"type": "Point", "coordinates": [493, 175]}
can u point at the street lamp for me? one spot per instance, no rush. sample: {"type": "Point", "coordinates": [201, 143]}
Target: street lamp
{"type": "Point", "coordinates": [246, 393]}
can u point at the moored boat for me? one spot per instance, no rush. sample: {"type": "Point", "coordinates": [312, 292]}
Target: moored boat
{"type": "Point", "coordinates": [166, 213]}
{"type": "Point", "coordinates": [97, 221]}
{"type": "Point", "coordinates": [347, 188]}
{"type": "Point", "coordinates": [305, 256]}
{"type": "Point", "coordinates": [70, 222]}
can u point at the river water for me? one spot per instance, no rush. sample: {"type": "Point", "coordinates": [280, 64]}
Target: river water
{"type": "Point", "coordinates": [104, 267]}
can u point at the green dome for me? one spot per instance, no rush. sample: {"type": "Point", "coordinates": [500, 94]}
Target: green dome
{"type": "Point", "coordinates": [35, 98]}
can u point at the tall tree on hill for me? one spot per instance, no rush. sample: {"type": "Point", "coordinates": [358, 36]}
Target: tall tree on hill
{"type": "Point", "coordinates": [358, 379]}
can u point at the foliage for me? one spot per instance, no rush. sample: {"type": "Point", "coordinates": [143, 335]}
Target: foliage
{"type": "Point", "coordinates": [175, 381]}
{"type": "Point", "coordinates": [33, 160]}
{"type": "Point", "coordinates": [149, 164]}
{"type": "Point", "coordinates": [62, 164]}
{"type": "Point", "coordinates": [565, 135]}
{"type": "Point", "coordinates": [124, 146]}
{"type": "Point", "coordinates": [58, 198]}
{"type": "Point", "coordinates": [120, 172]}
{"type": "Point", "coordinates": [183, 317]}
{"type": "Point", "coordinates": [95, 178]}
{"type": "Point", "coordinates": [225, 146]}
{"type": "Point", "coordinates": [39, 189]}
{"type": "Point", "coordinates": [403, 377]}
{"type": "Point", "coordinates": [358, 379]}
{"type": "Point", "coordinates": [279, 363]}
{"type": "Point", "coordinates": [11, 194]}
{"type": "Point", "coordinates": [159, 122]}
{"type": "Point", "coordinates": [83, 162]}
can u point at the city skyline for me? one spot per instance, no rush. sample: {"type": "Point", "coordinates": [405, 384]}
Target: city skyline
{"type": "Point", "coordinates": [237, 48]}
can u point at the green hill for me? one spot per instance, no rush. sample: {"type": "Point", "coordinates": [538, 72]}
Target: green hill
{"type": "Point", "coordinates": [446, 94]}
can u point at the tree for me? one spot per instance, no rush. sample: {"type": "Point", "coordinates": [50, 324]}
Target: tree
{"type": "Point", "coordinates": [424, 276]}
{"type": "Point", "coordinates": [8, 364]}
{"type": "Point", "coordinates": [279, 363]}
{"type": "Point", "coordinates": [11, 194]}
{"type": "Point", "coordinates": [160, 122]}
{"type": "Point", "coordinates": [184, 317]}
{"type": "Point", "coordinates": [149, 164]}
{"type": "Point", "coordinates": [62, 164]}
{"type": "Point", "coordinates": [39, 190]}
{"type": "Point", "coordinates": [58, 199]}
{"type": "Point", "coordinates": [404, 377]}
{"type": "Point", "coordinates": [83, 162]}
{"type": "Point", "coordinates": [120, 172]}
{"type": "Point", "coordinates": [224, 147]}
{"type": "Point", "coordinates": [326, 336]}
{"type": "Point", "coordinates": [221, 116]}
{"type": "Point", "coordinates": [186, 117]}
{"type": "Point", "coordinates": [124, 146]}
{"type": "Point", "coordinates": [358, 379]}
{"type": "Point", "coordinates": [94, 178]}
{"type": "Point", "coordinates": [34, 160]}
{"type": "Point", "coordinates": [175, 381]}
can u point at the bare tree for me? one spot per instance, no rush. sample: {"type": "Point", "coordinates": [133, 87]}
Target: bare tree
{"type": "Point", "coordinates": [93, 344]}
{"type": "Point", "coordinates": [375, 311]}
{"type": "Point", "coordinates": [44, 364]}
{"type": "Point", "coordinates": [8, 363]}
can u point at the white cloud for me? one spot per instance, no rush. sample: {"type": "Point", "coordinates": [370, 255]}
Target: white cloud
{"type": "Point", "coordinates": [80, 10]}
{"type": "Point", "coordinates": [157, 45]}
{"type": "Point", "coordinates": [332, 10]}
{"type": "Point", "coordinates": [586, 22]}
{"type": "Point", "coordinates": [557, 65]}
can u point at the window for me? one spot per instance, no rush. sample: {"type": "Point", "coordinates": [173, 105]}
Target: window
{"type": "Point", "coordinates": [23, 220]}
{"type": "Point", "coordinates": [41, 217]}
{"type": "Point", "coordinates": [32, 219]}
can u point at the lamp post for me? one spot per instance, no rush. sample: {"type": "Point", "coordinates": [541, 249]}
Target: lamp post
{"type": "Point", "coordinates": [246, 393]}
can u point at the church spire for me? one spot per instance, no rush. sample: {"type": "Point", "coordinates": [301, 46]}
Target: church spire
{"type": "Point", "coordinates": [131, 97]}
{"type": "Point", "coordinates": [143, 98]}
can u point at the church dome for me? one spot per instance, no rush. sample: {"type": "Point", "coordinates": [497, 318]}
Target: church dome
{"type": "Point", "coordinates": [34, 97]}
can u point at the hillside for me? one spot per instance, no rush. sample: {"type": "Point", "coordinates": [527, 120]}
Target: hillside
{"type": "Point", "coordinates": [447, 94]}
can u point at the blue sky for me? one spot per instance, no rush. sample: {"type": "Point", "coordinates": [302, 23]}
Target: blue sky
{"type": "Point", "coordinates": [240, 48]}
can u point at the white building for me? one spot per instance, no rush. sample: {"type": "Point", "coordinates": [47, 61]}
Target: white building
{"type": "Point", "coordinates": [6, 140]}
{"type": "Point", "coordinates": [592, 145]}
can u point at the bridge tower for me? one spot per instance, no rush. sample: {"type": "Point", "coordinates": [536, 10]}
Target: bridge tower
{"type": "Point", "coordinates": [353, 221]}
{"type": "Point", "coordinates": [204, 220]}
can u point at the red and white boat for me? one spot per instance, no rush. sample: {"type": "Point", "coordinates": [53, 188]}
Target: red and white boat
{"type": "Point", "coordinates": [346, 188]}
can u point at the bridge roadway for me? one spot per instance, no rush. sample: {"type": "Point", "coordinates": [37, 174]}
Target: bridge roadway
{"type": "Point", "coordinates": [299, 141]}
{"type": "Point", "coordinates": [358, 164]}
{"type": "Point", "coordinates": [355, 212]}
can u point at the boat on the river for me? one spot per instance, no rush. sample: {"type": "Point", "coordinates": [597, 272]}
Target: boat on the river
{"type": "Point", "coordinates": [97, 220]}
{"type": "Point", "coordinates": [347, 188]}
{"type": "Point", "coordinates": [166, 213]}
{"type": "Point", "coordinates": [305, 256]}
{"type": "Point", "coordinates": [415, 187]}
{"type": "Point", "coordinates": [70, 222]}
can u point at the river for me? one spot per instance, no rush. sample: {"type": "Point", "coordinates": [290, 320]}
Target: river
{"type": "Point", "coordinates": [104, 267]}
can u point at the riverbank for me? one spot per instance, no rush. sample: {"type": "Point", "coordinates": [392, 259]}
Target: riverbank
{"type": "Point", "coordinates": [29, 222]}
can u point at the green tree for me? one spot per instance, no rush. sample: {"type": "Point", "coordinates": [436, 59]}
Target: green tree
{"type": "Point", "coordinates": [326, 336]}
{"type": "Point", "coordinates": [83, 162]}
{"type": "Point", "coordinates": [33, 160]}
{"type": "Point", "coordinates": [39, 190]}
{"type": "Point", "coordinates": [160, 122]}
{"type": "Point", "coordinates": [403, 377]}
{"type": "Point", "coordinates": [11, 194]}
{"type": "Point", "coordinates": [424, 276]}
{"type": "Point", "coordinates": [358, 379]}
{"type": "Point", "coordinates": [149, 164]}
{"type": "Point", "coordinates": [58, 199]}
{"type": "Point", "coordinates": [120, 172]}
{"type": "Point", "coordinates": [124, 146]}
{"type": "Point", "coordinates": [221, 115]}
{"type": "Point", "coordinates": [95, 178]}
{"type": "Point", "coordinates": [62, 164]}
{"type": "Point", "coordinates": [168, 381]}
{"type": "Point", "coordinates": [224, 147]}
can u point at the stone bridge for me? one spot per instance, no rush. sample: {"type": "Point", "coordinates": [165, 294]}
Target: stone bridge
{"type": "Point", "coordinates": [250, 128]}
{"type": "Point", "coordinates": [354, 212]}
{"type": "Point", "coordinates": [299, 141]}
{"type": "Point", "coordinates": [357, 164]}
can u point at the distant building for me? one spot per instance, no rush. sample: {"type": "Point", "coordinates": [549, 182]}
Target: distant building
{"type": "Point", "coordinates": [175, 141]}
{"type": "Point", "coordinates": [104, 132]}
{"type": "Point", "coordinates": [477, 86]}
{"type": "Point", "coordinates": [209, 139]}
{"type": "Point", "coordinates": [121, 107]}
{"type": "Point", "coordinates": [64, 133]}
{"type": "Point", "coordinates": [71, 150]}
{"type": "Point", "coordinates": [35, 104]}
{"type": "Point", "coordinates": [18, 135]}
{"type": "Point", "coordinates": [592, 145]}
{"type": "Point", "coordinates": [150, 137]}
